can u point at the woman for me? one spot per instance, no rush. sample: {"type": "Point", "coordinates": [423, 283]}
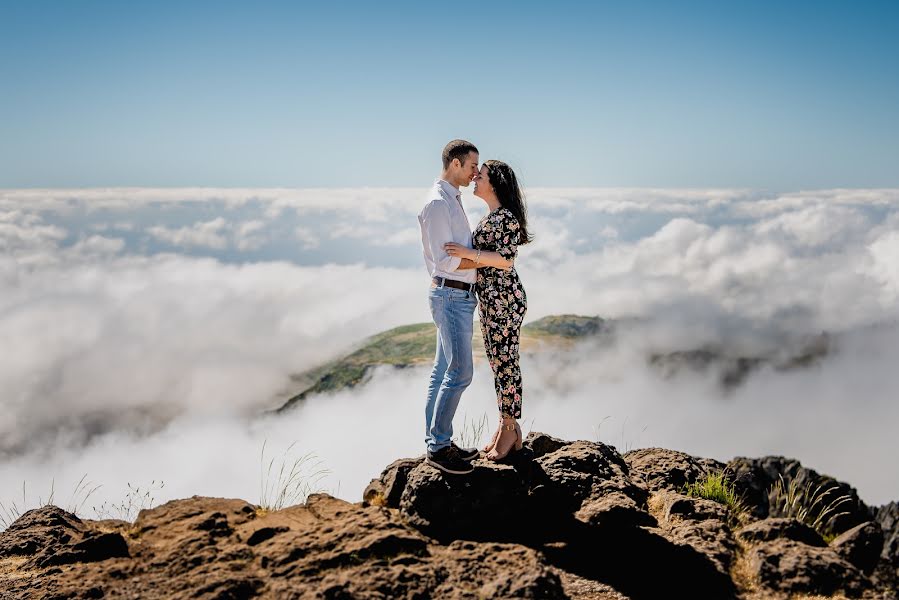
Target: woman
{"type": "Point", "coordinates": [501, 298]}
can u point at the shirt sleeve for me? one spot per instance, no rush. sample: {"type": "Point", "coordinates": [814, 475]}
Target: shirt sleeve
{"type": "Point", "coordinates": [507, 234]}
{"type": "Point", "coordinates": [436, 225]}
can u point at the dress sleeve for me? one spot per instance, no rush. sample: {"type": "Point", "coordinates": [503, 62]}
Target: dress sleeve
{"type": "Point", "coordinates": [507, 234]}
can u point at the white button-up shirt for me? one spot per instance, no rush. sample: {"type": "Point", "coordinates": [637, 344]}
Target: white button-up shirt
{"type": "Point", "coordinates": [444, 220]}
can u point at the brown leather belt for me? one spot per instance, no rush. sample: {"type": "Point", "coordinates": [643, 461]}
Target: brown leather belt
{"type": "Point", "coordinates": [459, 285]}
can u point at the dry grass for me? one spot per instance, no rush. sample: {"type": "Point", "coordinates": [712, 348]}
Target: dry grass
{"type": "Point", "coordinates": [83, 491]}
{"type": "Point", "coordinates": [290, 483]}
{"type": "Point", "coordinates": [377, 499]}
{"type": "Point", "coordinates": [472, 432]}
{"type": "Point", "coordinates": [816, 507]}
{"type": "Point", "coordinates": [136, 499]}
{"type": "Point", "coordinates": [742, 575]}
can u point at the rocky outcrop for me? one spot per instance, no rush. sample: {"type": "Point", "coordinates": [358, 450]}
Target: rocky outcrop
{"type": "Point", "coordinates": [578, 503]}
{"type": "Point", "coordinates": [51, 536]}
{"type": "Point", "coordinates": [560, 519]}
{"type": "Point", "coordinates": [217, 548]}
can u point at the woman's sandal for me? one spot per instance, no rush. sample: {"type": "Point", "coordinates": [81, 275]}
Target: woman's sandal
{"type": "Point", "coordinates": [494, 455]}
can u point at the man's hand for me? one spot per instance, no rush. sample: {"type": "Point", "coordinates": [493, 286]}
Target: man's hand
{"type": "Point", "coordinates": [454, 249]}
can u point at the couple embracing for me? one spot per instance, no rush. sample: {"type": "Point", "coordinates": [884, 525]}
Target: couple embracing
{"type": "Point", "coordinates": [470, 269]}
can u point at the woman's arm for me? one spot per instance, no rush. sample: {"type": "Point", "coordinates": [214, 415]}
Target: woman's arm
{"type": "Point", "coordinates": [472, 260]}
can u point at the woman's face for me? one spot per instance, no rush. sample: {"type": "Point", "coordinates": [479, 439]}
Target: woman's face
{"type": "Point", "coordinates": [482, 187]}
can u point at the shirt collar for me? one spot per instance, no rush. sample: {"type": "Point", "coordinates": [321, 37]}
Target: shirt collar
{"type": "Point", "coordinates": [451, 190]}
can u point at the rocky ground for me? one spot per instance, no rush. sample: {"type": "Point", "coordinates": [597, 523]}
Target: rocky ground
{"type": "Point", "coordinates": [560, 520]}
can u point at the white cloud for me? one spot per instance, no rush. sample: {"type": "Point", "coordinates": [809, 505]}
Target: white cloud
{"type": "Point", "coordinates": [817, 226]}
{"type": "Point", "coordinates": [172, 354]}
{"type": "Point", "coordinates": [403, 237]}
{"type": "Point", "coordinates": [307, 237]}
{"type": "Point", "coordinates": [189, 336]}
{"type": "Point", "coordinates": [97, 246]}
{"type": "Point", "coordinates": [203, 233]}
{"type": "Point", "coordinates": [250, 235]}
{"type": "Point", "coordinates": [885, 254]}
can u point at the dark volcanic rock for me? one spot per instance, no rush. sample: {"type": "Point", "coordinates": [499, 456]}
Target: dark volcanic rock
{"type": "Point", "coordinates": [40, 529]}
{"type": "Point", "coordinates": [570, 482]}
{"type": "Point", "coordinates": [793, 567]}
{"type": "Point", "coordinates": [577, 503]}
{"type": "Point", "coordinates": [755, 477]}
{"type": "Point", "coordinates": [888, 518]}
{"type": "Point", "coordinates": [488, 504]}
{"type": "Point", "coordinates": [573, 514]}
{"type": "Point", "coordinates": [51, 536]}
{"type": "Point", "coordinates": [861, 545]}
{"type": "Point", "coordinates": [662, 469]}
{"type": "Point", "coordinates": [388, 488]}
{"type": "Point", "coordinates": [768, 530]}
{"type": "Point", "coordinates": [327, 548]}
{"type": "Point", "coordinates": [541, 444]}
{"type": "Point", "coordinates": [698, 523]}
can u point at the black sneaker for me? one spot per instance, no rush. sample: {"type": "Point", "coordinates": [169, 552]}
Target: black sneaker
{"type": "Point", "coordinates": [466, 453]}
{"type": "Point", "coordinates": [448, 460]}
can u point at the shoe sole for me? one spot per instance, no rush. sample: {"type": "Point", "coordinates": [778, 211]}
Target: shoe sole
{"type": "Point", "coordinates": [447, 470]}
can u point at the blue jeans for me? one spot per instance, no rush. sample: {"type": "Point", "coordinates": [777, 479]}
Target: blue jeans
{"type": "Point", "coordinates": [453, 313]}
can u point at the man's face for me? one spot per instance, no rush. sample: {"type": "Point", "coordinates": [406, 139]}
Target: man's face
{"type": "Point", "coordinates": [468, 169]}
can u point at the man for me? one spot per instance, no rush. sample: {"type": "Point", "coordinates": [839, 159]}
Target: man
{"type": "Point", "coordinates": [453, 301]}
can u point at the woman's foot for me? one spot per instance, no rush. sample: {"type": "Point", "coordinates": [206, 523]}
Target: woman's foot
{"type": "Point", "coordinates": [509, 439]}
{"type": "Point", "coordinates": [492, 443]}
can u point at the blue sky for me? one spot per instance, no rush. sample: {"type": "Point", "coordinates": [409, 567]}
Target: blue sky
{"type": "Point", "coordinates": [760, 95]}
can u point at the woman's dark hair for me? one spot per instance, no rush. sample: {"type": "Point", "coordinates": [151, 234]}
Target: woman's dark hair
{"type": "Point", "coordinates": [508, 192]}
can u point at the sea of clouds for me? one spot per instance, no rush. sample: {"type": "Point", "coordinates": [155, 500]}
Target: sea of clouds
{"type": "Point", "coordinates": [146, 332]}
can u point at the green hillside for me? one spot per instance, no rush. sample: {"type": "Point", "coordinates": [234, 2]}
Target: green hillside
{"type": "Point", "coordinates": [414, 345]}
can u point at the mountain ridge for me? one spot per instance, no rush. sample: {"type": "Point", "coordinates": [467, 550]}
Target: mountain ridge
{"type": "Point", "coordinates": [411, 345]}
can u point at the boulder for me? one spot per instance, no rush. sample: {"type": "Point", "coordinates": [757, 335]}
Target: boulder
{"type": "Point", "coordinates": [50, 536]}
{"type": "Point", "coordinates": [698, 523]}
{"type": "Point", "coordinates": [861, 546]}
{"type": "Point", "coordinates": [548, 484]}
{"type": "Point", "coordinates": [387, 489]}
{"type": "Point", "coordinates": [660, 469]}
{"type": "Point", "coordinates": [768, 530]}
{"type": "Point", "coordinates": [792, 567]}
{"type": "Point", "coordinates": [576, 503]}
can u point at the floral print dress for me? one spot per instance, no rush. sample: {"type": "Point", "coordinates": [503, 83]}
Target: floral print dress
{"type": "Point", "coordinates": [501, 307]}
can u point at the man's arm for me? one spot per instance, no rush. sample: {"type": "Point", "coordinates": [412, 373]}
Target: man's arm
{"type": "Point", "coordinates": [436, 223]}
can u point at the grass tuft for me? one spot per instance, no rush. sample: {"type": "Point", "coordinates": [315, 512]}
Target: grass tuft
{"type": "Point", "coordinates": [472, 433]}
{"type": "Point", "coordinates": [290, 483]}
{"type": "Point", "coordinates": [817, 508]}
{"type": "Point", "coordinates": [136, 499]}
{"type": "Point", "coordinates": [12, 511]}
{"type": "Point", "coordinates": [715, 486]}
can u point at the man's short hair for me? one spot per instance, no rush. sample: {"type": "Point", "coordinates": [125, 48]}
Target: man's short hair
{"type": "Point", "coordinates": [457, 149]}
